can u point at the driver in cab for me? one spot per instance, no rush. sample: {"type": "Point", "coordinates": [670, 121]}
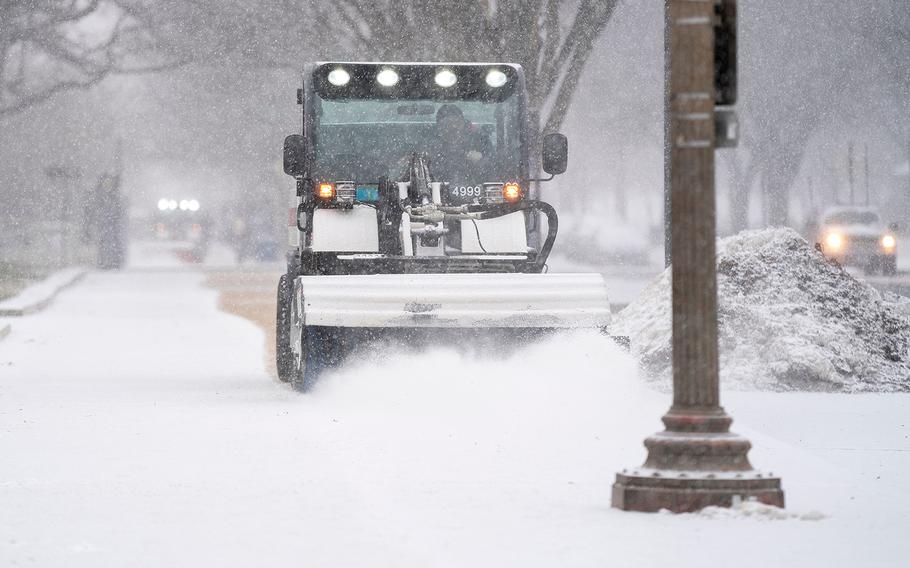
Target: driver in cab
{"type": "Point", "coordinates": [460, 151]}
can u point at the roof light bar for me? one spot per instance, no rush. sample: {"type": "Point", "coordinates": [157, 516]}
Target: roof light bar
{"type": "Point", "coordinates": [387, 77]}
{"type": "Point", "coordinates": [496, 78]}
{"type": "Point", "coordinates": [445, 78]}
{"type": "Point", "coordinates": [339, 77]}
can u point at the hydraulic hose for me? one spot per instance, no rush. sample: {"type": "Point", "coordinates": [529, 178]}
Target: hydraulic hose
{"type": "Point", "coordinates": [498, 210]}
{"type": "Point", "coordinates": [418, 175]}
{"type": "Point", "coordinates": [481, 212]}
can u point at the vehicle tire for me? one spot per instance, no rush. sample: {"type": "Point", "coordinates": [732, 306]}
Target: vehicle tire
{"type": "Point", "coordinates": [303, 377]}
{"type": "Point", "coordinates": [284, 355]}
{"type": "Point", "coordinates": [319, 348]}
{"type": "Point", "coordinates": [889, 266]}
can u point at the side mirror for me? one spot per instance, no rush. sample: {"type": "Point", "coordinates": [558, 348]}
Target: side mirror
{"type": "Point", "coordinates": [295, 155]}
{"type": "Point", "coordinates": [895, 227]}
{"type": "Point", "coordinates": [555, 153]}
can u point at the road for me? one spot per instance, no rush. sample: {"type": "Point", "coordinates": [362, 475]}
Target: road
{"type": "Point", "coordinates": [139, 426]}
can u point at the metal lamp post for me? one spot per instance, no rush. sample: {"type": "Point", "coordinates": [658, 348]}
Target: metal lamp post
{"type": "Point", "coordinates": [696, 462]}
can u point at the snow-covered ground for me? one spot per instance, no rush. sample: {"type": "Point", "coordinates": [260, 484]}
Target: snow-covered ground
{"type": "Point", "coordinates": [138, 428]}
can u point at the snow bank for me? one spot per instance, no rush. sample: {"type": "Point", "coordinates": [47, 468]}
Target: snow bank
{"type": "Point", "coordinates": [37, 296]}
{"type": "Point", "coordinates": [788, 320]}
{"type": "Point", "coordinates": [754, 510]}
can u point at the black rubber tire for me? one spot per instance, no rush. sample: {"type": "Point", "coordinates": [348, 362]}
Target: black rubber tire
{"type": "Point", "coordinates": [301, 380]}
{"type": "Point", "coordinates": [320, 349]}
{"type": "Point", "coordinates": [284, 356]}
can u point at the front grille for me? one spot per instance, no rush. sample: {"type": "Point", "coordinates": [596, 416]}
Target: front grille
{"type": "Point", "coordinates": [862, 245]}
{"type": "Point", "coordinates": [493, 192]}
{"type": "Point", "coordinates": [345, 192]}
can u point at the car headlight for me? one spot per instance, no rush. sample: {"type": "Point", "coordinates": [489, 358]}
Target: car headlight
{"type": "Point", "coordinates": [834, 241]}
{"type": "Point", "coordinates": [888, 242]}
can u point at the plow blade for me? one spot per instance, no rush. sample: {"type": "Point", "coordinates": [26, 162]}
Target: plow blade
{"type": "Point", "coordinates": [561, 301]}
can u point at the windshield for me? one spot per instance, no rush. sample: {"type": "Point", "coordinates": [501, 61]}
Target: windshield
{"type": "Point", "coordinates": [466, 141]}
{"type": "Point", "coordinates": [853, 218]}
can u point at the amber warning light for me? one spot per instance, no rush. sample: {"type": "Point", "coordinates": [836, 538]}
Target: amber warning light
{"type": "Point", "coordinates": [511, 192]}
{"type": "Point", "coordinates": [325, 191]}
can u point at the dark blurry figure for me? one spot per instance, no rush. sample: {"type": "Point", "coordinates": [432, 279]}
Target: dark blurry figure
{"type": "Point", "coordinates": [252, 230]}
{"type": "Point", "coordinates": [459, 152]}
{"type": "Point", "coordinates": [107, 217]}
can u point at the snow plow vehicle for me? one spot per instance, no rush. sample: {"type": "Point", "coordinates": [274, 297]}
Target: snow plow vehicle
{"type": "Point", "coordinates": [412, 214]}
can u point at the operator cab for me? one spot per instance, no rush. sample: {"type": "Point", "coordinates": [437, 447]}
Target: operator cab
{"type": "Point", "coordinates": [365, 130]}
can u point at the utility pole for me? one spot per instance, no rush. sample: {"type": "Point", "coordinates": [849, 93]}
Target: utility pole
{"type": "Point", "coordinates": [850, 172]}
{"type": "Point", "coordinates": [696, 462]}
{"type": "Point", "coordinates": [812, 204]}
{"type": "Point", "coordinates": [866, 170]}
{"type": "Point", "coordinates": [668, 253]}
{"type": "Point", "coordinates": [64, 197]}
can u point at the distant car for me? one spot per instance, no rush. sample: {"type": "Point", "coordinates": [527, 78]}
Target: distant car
{"type": "Point", "coordinates": [857, 236]}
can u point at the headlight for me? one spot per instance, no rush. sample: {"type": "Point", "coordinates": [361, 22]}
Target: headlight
{"type": "Point", "coordinates": [888, 242]}
{"type": "Point", "coordinates": [834, 241]}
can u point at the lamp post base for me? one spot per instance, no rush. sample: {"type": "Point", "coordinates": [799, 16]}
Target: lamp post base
{"type": "Point", "coordinates": [695, 463]}
{"type": "Point", "coordinates": [650, 491]}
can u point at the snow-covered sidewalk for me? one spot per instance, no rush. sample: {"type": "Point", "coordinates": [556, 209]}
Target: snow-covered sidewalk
{"type": "Point", "coordinates": [139, 428]}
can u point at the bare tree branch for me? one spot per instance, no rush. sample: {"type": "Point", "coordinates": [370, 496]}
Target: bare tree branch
{"type": "Point", "coordinates": [40, 59]}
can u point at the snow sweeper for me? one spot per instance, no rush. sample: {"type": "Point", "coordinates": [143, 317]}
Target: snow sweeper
{"type": "Point", "coordinates": [412, 214]}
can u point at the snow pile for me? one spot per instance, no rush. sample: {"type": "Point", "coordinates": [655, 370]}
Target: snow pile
{"type": "Point", "coordinates": [788, 320]}
{"type": "Point", "coordinates": [751, 509]}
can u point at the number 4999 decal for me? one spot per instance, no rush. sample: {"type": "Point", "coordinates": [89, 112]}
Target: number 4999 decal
{"type": "Point", "coordinates": [466, 191]}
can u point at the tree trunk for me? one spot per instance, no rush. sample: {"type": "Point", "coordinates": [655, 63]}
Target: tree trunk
{"type": "Point", "coordinates": [740, 190]}
{"type": "Point", "coordinates": [775, 197]}
{"type": "Point", "coordinates": [621, 195]}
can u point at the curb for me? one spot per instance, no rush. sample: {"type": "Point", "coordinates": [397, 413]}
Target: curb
{"type": "Point", "coordinates": [38, 296]}
{"type": "Point", "coordinates": [4, 330]}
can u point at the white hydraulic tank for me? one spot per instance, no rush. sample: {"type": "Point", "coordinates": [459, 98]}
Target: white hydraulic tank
{"type": "Point", "coordinates": [346, 230]}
